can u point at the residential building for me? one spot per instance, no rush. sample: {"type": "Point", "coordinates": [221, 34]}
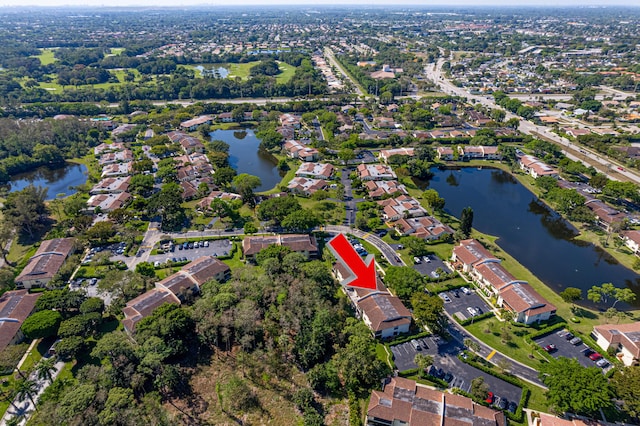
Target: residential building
{"type": "Point", "coordinates": [45, 263]}
{"type": "Point", "coordinates": [296, 149]}
{"type": "Point", "coordinates": [300, 243]}
{"type": "Point", "coordinates": [375, 172]}
{"type": "Point", "coordinates": [315, 170]}
{"type": "Point", "coordinates": [427, 228]}
{"type": "Point", "coordinates": [189, 143]}
{"type": "Point", "coordinates": [632, 240]}
{"type": "Point", "coordinates": [144, 305]}
{"type": "Point", "coordinates": [400, 207]}
{"type": "Point", "coordinates": [386, 153]}
{"type": "Point", "coordinates": [527, 305]}
{"type": "Point", "coordinates": [305, 186]}
{"type": "Point", "coordinates": [479, 152]}
{"type": "Point", "coordinates": [445, 153]}
{"type": "Point", "coordinates": [407, 403]}
{"type": "Point", "coordinates": [107, 202]}
{"type": "Point", "coordinates": [205, 203]}
{"type": "Point", "coordinates": [544, 419]}
{"type": "Point", "coordinates": [175, 288]}
{"type": "Point", "coordinates": [379, 188]}
{"type": "Point", "coordinates": [108, 147]}
{"type": "Point", "coordinates": [290, 120]}
{"type": "Point", "coordinates": [384, 314]}
{"type": "Point", "coordinates": [15, 307]}
{"type": "Point", "coordinates": [535, 167]}
{"type": "Point", "coordinates": [111, 186]}
{"type": "Point", "coordinates": [605, 216]}
{"type": "Point", "coordinates": [194, 123]}
{"type": "Point", "coordinates": [623, 338]}
{"type": "Point", "coordinates": [121, 132]}
{"type": "Point", "coordinates": [117, 169]}
{"type": "Point", "coordinates": [123, 156]}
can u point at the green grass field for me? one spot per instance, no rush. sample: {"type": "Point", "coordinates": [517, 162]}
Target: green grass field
{"type": "Point", "coordinates": [242, 70]}
{"type": "Point", "coordinates": [117, 50]}
{"type": "Point", "coordinates": [46, 56]}
{"type": "Point", "coordinates": [53, 86]}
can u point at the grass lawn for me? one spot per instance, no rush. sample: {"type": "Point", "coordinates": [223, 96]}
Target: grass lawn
{"type": "Point", "coordinates": [537, 400]}
{"type": "Point", "coordinates": [242, 70]}
{"type": "Point", "coordinates": [517, 348]}
{"type": "Point", "coordinates": [330, 212]}
{"type": "Point", "coordinates": [117, 50]}
{"type": "Point", "coordinates": [53, 85]}
{"type": "Point", "coordinates": [287, 72]}
{"type": "Point", "coordinates": [46, 56]}
{"type": "Point", "coordinates": [236, 261]}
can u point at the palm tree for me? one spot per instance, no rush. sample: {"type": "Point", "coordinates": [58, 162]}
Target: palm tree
{"type": "Point", "coordinates": [45, 369]}
{"type": "Point", "coordinates": [26, 389]}
{"type": "Point", "coordinates": [9, 397]}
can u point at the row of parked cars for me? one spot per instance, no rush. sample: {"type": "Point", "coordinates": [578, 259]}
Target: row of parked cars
{"type": "Point", "coordinates": [501, 402]}
{"type": "Point", "coordinates": [192, 245]}
{"type": "Point", "coordinates": [359, 248]}
{"type": "Point", "coordinates": [575, 341]}
{"type": "Point", "coordinates": [117, 248]}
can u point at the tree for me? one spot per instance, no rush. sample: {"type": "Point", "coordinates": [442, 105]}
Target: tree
{"type": "Point", "coordinates": [41, 324]}
{"type": "Point", "coordinates": [301, 220]}
{"type": "Point", "coordinates": [69, 347]}
{"type": "Point", "coordinates": [346, 155]}
{"type": "Point", "coordinates": [429, 310]}
{"type": "Point", "coordinates": [223, 176]}
{"type": "Point", "coordinates": [277, 209]}
{"type": "Point", "coordinates": [472, 345]}
{"type": "Point", "coordinates": [435, 201]}
{"type": "Point", "coordinates": [574, 388]}
{"type": "Point", "coordinates": [101, 231]}
{"type": "Point", "coordinates": [626, 384]}
{"type": "Point", "coordinates": [168, 203]}
{"type": "Point", "coordinates": [45, 369]}
{"type": "Point", "coordinates": [423, 361]}
{"type": "Point", "coordinates": [26, 210]}
{"type": "Point", "coordinates": [404, 281]}
{"type": "Point", "coordinates": [466, 221]}
{"type": "Point", "coordinates": [26, 389]}
{"type": "Point", "coordinates": [571, 295]}
{"type": "Point", "coordinates": [607, 290]}
{"type": "Point", "coordinates": [92, 304]}
{"type": "Point", "coordinates": [479, 388]}
{"type": "Point", "coordinates": [244, 184]}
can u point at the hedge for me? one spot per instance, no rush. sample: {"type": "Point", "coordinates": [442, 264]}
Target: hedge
{"type": "Point", "coordinates": [470, 320]}
{"type": "Point", "coordinates": [416, 372]}
{"type": "Point", "coordinates": [405, 339]}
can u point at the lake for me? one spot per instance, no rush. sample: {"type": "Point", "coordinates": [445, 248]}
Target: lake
{"type": "Point", "coordinates": [212, 70]}
{"type": "Point", "coordinates": [245, 156]}
{"type": "Point", "coordinates": [57, 180]}
{"type": "Point", "coordinates": [529, 231]}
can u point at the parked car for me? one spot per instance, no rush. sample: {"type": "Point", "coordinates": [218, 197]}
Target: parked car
{"type": "Point", "coordinates": [568, 336]}
{"type": "Point", "coordinates": [575, 341]}
{"type": "Point", "coordinates": [471, 311]}
{"type": "Point", "coordinates": [602, 363]}
{"type": "Point", "coordinates": [550, 348]}
{"type": "Point", "coordinates": [512, 407]}
{"type": "Point", "coordinates": [588, 352]}
{"type": "Point", "coordinates": [455, 293]}
{"type": "Point", "coordinates": [489, 399]}
{"type": "Point", "coordinates": [448, 377]}
{"type": "Point", "coordinates": [206, 243]}
{"type": "Point", "coordinates": [445, 297]}
{"type": "Point", "coordinates": [502, 403]}
{"type": "Point", "coordinates": [416, 260]}
{"type": "Point", "coordinates": [465, 290]}
{"type": "Point", "coordinates": [478, 310]}
{"type": "Point", "coordinates": [426, 259]}
{"type": "Point", "coordinates": [416, 345]}
{"type": "Point", "coordinates": [595, 356]}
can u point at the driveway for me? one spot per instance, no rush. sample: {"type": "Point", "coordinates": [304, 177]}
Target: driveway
{"type": "Point", "coordinates": [566, 349]}
{"type": "Point", "coordinates": [445, 358]}
{"type": "Point", "coordinates": [216, 248]}
{"type": "Point", "coordinates": [429, 264]}
{"type": "Point", "coordinates": [459, 305]}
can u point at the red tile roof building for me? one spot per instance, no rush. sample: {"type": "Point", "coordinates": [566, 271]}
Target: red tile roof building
{"type": "Point", "coordinates": [45, 263]}
{"type": "Point", "coordinates": [404, 402]}
{"type": "Point", "coordinates": [379, 188]}
{"type": "Point", "coordinates": [15, 307]}
{"type": "Point", "coordinates": [301, 243]}
{"type": "Point", "coordinates": [624, 338]}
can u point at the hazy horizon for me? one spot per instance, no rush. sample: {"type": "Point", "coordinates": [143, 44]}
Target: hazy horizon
{"type": "Point", "coordinates": [239, 3]}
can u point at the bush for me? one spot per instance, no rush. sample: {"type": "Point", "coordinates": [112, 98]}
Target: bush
{"type": "Point", "coordinates": [468, 321]}
{"type": "Point", "coordinates": [240, 396]}
{"type": "Point", "coordinates": [69, 347]}
{"type": "Point", "coordinates": [42, 324]}
{"type": "Point", "coordinates": [10, 357]}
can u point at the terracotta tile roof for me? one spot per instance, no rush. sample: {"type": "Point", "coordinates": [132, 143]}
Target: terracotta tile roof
{"type": "Point", "coordinates": [143, 305]}
{"type": "Point", "coordinates": [495, 274]}
{"type": "Point", "coordinates": [384, 311]}
{"type": "Point", "coordinates": [402, 400]}
{"type": "Point", "coordinates": [296, 242]}
{"type": "Point", "coordinates": [471, 252]}
{"type": "Point", "coordinates": [523, 298]}
{"type": "Point", "coordinates": [205, 268]}
{"type": "Point", "coordinates": [47, 260]}
{"type": "Point", "coordinates": [16, 305]}
{"type": "Point", "coordinates": [628, 335]}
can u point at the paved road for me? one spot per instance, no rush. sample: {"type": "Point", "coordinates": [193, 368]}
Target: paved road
{"type": "Point", "coordinates": [328, 53]}
{"type": "Point", "coordinates": [25, 408]}
{"type": "Point", "coordinates": [575, 152]}
{"type": "Point", "coordinates": [384, 248]}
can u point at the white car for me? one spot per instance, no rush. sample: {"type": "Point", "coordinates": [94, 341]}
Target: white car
{"type": "Point", "coordinates": [206, 243]}
{"type": "Point", "coordinates": [465, 290]}
{"type": "Point", "coordinates": [472, 311]}
{"type": "Point", "coordinates": [602, 363]}
{"type": "Point", "coordinates": [416, 260]}
{"type": "Point", "coordinates": [426, 259]}
{"type": "Point", "coordinates": [445, 297]}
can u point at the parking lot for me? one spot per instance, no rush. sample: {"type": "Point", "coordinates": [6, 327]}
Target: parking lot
{"type": "Point", "coordinates": [458, 305]}
{"type": "Point", "coordinates": [216, 248]}
{"type": "Point", "coordinates": [429, 265]}
{"type": "Point", "coordinates": [448, 367]}
{"type": "Point", "coordinates": [566, 349]}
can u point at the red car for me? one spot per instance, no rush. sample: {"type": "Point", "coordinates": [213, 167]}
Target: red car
{"type": "Point", "coordinates": [595, 356]}
{"type": "Point", "coordinates": [550, 348]}
{"type": "Point", "coordinates": [489, 399]}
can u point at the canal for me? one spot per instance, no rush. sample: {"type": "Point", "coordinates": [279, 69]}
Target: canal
{"type": "Point", "coordinates": [58, 180]}
{"type": "Point", "coordinates": [245, 156]}
{"type": "Point", "coordinates": [529, 231]}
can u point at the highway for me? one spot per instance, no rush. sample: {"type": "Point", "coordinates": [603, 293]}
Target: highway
{"type": "Point", "coordinates": [328, 53]}
{"type": "Point", "coordinates": [607, 166]}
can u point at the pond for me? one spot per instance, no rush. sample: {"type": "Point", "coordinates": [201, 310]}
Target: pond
{"type": "Point", "coordinates": [529, 231]}
{"type": "Point", "coordinates": [212, 70]}
{"type": "Point", "coordinates": [245, 156]}
{"type": "Point", "coordinates": [59, 180]}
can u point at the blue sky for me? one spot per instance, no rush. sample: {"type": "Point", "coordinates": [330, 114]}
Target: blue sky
{"type": "Point", "coordinates": [423, 3]}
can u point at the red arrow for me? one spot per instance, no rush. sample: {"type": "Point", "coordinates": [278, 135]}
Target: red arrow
{"type": "Point", "coordinates": [364, 272]}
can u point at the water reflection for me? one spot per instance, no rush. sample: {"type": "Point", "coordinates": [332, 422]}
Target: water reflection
{"type": "Point", "coordinates": [59, 181]}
